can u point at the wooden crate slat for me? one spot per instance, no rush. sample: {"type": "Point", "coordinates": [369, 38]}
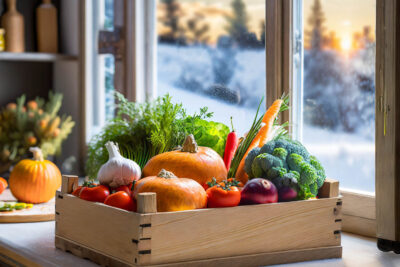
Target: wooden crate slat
{"type": "Point", "coordinates": [212, 233]}
{"type": "Point", "coordinates": [236, 261]}
{"type": "Point", "coordinates": [98, 226]}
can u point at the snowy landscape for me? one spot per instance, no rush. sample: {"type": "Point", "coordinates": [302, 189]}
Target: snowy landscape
{"type": "Point", "coordinates": [347, 153]}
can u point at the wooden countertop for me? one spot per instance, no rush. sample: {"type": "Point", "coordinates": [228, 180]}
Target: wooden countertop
{"type": "Point", "coordinates": [32, 244]}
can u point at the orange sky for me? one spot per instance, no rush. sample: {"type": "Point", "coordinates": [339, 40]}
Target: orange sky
{"type": "Point", "coordinates": [342, 16]}
{"type": "Point", "coordinates": [345, 16]}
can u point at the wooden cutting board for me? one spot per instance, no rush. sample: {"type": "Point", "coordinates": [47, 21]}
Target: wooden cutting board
{"type": "Point", "coordinates": [39, 212]}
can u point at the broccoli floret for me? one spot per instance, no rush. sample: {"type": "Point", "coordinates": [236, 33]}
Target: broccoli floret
{"type": "Point", "coordinates": [275, 172]}
{"type": "Point", "coordinates": [281, 153]}
{"type": "Point", "coordinates": [320, 170]}
{"type": "Point", "coordinates": [294, 162]}
{"type": "Point", "coordinates": [282, 160]}
{"type": "Point", "coordinates": [288, 179]}
{"type": "Point", "coordinates": [308, 174]}
{"type": "Point", "coordinates": [264, 162]}
{"type": "Point", "coordinates": [314, 189]}
{"type": "Point", "coordinates": [249, 161]}
{"type": "Point", "coordinates": [268, 148]}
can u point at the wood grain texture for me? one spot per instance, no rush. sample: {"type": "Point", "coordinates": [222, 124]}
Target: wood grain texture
{"type": "Point", "coordinates": [278, 49]}
{"type": "Point", "coordinates": [236, 261]}
{"type": "Point", "coordinates": [39, 212]}
{"type": "Point", "coordinates": [387, 125]}
{"type": "Point", "coordinates": [69, 183]}
{"type": "Point", "coordinates": [217, 233]}
{"type": "Point", "coordinates": [97, 226]}
{"type": "Point", "coordinates": [359, 225]}
{"type": "Point", "coordinates": [147, 202]}
{"type": "Point", "coordinates": [330, 188]}
{"type": "Point", "coordinates": [359, 205]}
{"type": "Point", "coordinates": [273, 49]}
{"type": "Point", "coordinates": [195, 235]}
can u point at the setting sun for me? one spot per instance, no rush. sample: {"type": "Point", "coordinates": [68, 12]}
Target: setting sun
{"type": "Point", "coordinates": [345, 44]}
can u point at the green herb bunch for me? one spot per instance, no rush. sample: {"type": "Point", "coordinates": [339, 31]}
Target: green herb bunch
{"type": "Point", "coordinates": [35, 123]}
{"type": "Point", "coordinates": [143, 130]}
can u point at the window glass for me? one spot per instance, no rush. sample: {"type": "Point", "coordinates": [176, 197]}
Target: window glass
{"type": "Point", "coordinates": [100, 91]}
{"type": "Point", "coordinates": [339, 88]}
{"type": "Point", "coordinates": [212, 53]}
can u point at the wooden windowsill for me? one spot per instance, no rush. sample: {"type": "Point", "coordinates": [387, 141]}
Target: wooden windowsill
{"type": "Point", "coordinates": [359, 213]}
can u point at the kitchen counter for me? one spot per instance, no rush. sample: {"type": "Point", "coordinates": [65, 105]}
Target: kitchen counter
{"type": "Point", "coordinates": [32, 244]}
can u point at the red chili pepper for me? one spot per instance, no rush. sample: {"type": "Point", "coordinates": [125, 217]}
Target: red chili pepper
{"type": "Point", "coordinates": [232, 143]}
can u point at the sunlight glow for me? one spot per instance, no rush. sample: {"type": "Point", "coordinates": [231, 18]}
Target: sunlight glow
{"type": "Point", "coordinates": [345, 44]}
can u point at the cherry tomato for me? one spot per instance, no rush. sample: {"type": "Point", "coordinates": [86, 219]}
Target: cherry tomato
{"type": "Point", "coordinates": [3, 184]}
{"type": "Point", "coordinates": [220, 196]}
{"type": "Point", "coordinates": [96, 194]}
{"type": "Point", "coordinates": [121, 200]}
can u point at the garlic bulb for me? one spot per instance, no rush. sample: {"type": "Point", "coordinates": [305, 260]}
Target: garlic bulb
{"type": "Point", "coordinates": [118, 170]}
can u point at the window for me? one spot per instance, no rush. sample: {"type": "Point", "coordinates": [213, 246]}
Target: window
{"type": "Point", "coordinates": [212, 53]}
{"type": "Point", "coordinates": [100, 67]}
{"type": "Point", "coordinates": [337, 100]}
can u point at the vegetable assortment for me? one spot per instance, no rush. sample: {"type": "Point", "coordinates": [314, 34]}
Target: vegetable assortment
{"type": "Point", "coordinates": [289, 166]}
{"type": "Point", "coordinates": [266, 166]}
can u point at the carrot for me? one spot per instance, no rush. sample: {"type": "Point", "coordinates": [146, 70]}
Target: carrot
{"type": "Point", "coordinates": [269, 119]}
{"type": "Point", "coordinates": [261, 137]}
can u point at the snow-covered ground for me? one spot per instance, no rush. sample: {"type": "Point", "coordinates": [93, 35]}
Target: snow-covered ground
{"type": "Point", "coordinates": [350, 158]}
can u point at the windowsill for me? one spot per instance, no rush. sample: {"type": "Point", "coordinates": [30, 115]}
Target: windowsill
{"type": "Point", "coordinates": [34, 242]}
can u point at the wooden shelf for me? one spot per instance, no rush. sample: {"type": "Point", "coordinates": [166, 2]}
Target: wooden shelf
{"type": "Point", "coordinates": [36, 57]}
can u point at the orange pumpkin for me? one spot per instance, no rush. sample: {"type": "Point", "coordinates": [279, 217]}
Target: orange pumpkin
{"type": "Point", "coordinates": [3, 184]}
{"type": "Point", "coordinates": [173, 193]}
{"type": "Point", "coordinates": [198, 163]}
{"type": "Point", "coordinates": [35, 181]}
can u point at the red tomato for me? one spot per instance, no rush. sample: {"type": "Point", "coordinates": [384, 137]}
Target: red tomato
{"type": "Point", "coordinates": [219, 197]}
{"type": "Point", "coordinates": [3, 184]}
{"type": "Point", "coordinates": [125, 188]}
{"type": "Point", "coordinates": [121, 200]}
{"type": "Point", "coordinates": [77, 191]}
{"type": "Point", "coordinates": [96, 194]}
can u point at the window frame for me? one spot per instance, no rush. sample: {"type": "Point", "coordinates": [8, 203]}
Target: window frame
{"type": "Point", "coordinates": [358, 215]}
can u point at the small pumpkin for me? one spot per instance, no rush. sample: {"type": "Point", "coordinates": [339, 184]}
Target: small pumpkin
{"type": "Point", "coordinates": [35, 181]}
{"type": "Point", "coordinates": [196, 162]}
{"type": "Point", "coordinates": [173, 193]}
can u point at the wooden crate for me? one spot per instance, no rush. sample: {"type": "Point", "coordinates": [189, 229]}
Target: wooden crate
{"type": "Point", "coordinates": [239, 236]}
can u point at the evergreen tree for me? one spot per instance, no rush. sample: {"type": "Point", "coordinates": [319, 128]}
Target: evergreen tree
{"type": "Point", "coordinates": [237, 27]}
{"type": "Point", "coordinates": [315, 37]}
{"type": "Point", "coordinates": [197, 30]}
{"type": "Point", "coordinates": [171, 21]}
{"type": "Point", "coordinates": [262, 35]}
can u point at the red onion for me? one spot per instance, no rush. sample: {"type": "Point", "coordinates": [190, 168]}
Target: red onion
{"type": "Point", "coordinates": [259, 191]}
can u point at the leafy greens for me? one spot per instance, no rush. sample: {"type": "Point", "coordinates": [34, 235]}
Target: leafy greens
{"type": "Point", "coordinates": [143, 130]}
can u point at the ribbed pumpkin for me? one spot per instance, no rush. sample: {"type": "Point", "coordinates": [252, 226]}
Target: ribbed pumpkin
{"type": "Point", "coordinates": [173, 193]}
{"type": "Point", "coordinates": [196, 162]}
{"type": "Point", "coordinates": [35, 181]}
